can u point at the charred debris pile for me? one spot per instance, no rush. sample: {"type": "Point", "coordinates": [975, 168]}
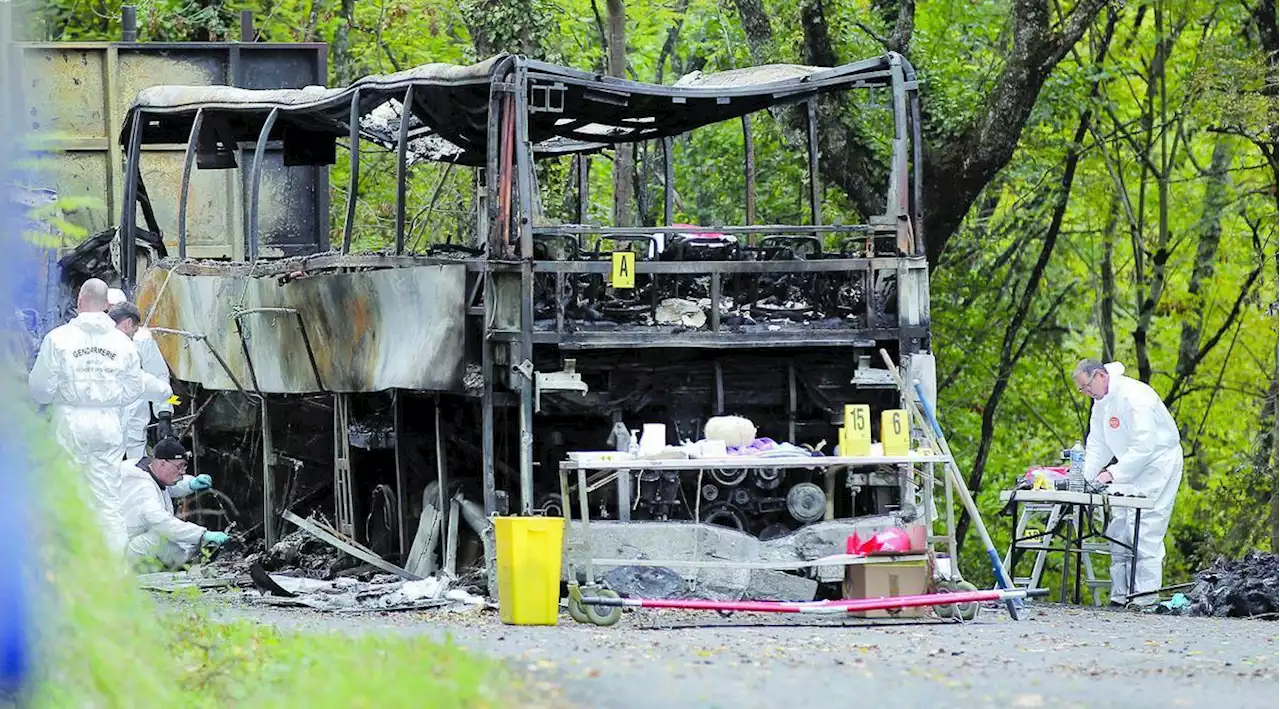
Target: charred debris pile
{"type": "Point", "coordinates": [1236, 588]}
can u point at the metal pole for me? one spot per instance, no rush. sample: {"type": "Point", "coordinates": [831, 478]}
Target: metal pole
{"type": "Point", "coordinates": [899, 191]}
{"type": "Point", "coordinates": [246, 26]}
{"type": "Point", "coordinates": [129, 219]}
{"type": "Point", "coordinates": [749, 147]}
{"type": "Point", "coordinates": [128, 23]}
{"type": "Point", "coordinates": [486, 409]}
{"type": "Point", "coordinates": [584, 173]}
{"type": "Point", "coordinates": [402, 170]}
{"type": "Point", "coordinates": [192, 143]}
{"type": "Point", "coordinates": [791, 402]}
{"type": "Point", "coordinates": [255, 181]}
{"type": "Point", "coordinates": [487, 216]}
{"type": "Point", "coordinates": [268, 480]}
{"type": "Point", "coordinates": [397, 419]}
{"type": "Point", "coordinates": [715, 301]}
{"type": "Point", "coordinates": [917, 172]}
{"type": "Point", "coordinates": [353, 181]}
{"type": "Point", "coordinates": [524, 180]}
{"type": "Point", "coordinates": [442, 479]}
{"type": "Point", "coordinates": [485, 237]}
{"type": "Point", "coordinates": [815, 189]}
{"type": "Point", "coordinates": [719, 387]}
{"type": "Point", "coordinates": [669, 182]}
{"type": "Point", "coordinates": [343, 496]}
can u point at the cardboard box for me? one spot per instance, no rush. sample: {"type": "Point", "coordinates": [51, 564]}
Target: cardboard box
{"type": "Point", "coordinates": [894, 578]}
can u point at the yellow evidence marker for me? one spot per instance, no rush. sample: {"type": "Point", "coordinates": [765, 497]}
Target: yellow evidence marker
{"type": "Point", "coordinates": [857, 430]}
{"type": "Point", "coordinates": [894, 435]}
{"type": "Point", "coordinates": [624, 270]}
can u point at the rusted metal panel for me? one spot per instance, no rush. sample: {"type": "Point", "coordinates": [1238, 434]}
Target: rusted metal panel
{"type": "Point", "coordinates": [76, 95]}
{"type": "Point", "coordinates": [371, 331]}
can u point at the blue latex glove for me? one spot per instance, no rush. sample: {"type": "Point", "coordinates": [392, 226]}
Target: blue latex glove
{"type": "Point", "coordinates": [201, 482]}
{"type": "Point", "coordinates": [216, 538]}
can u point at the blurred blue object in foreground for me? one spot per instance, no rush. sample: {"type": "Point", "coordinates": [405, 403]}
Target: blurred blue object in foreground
{"type": "Point", "coordinates": [21, 257]}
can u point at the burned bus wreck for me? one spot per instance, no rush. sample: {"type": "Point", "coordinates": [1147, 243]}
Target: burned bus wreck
{"type": "Point", "coordinates": [387, 389]}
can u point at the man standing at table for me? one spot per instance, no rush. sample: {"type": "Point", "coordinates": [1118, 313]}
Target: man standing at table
{"type": "Point", "coordinates": [1130, 424]}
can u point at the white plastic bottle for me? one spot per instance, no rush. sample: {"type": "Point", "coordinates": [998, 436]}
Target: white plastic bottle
{"type": "Point", "coordinates": [1075, 475]}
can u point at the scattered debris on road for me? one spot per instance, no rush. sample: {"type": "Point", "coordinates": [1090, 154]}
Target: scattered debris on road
{"type": "Point", "coordinates": [383, 592]}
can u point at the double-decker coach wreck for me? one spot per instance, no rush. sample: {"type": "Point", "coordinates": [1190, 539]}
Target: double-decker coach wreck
{"type": "Point", "coordinates": [386, 389]}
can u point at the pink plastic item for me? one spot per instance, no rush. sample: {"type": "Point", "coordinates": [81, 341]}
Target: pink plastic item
{"type": "Point", "coordinates": [892, 539]}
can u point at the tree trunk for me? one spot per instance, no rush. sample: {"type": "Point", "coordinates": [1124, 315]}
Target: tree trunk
{"type": "Point", "coordinates": [623, 157]}
{"type": "Point", "coordinates": [1275, 429]}
{"type": "Point", "coordinates": [1217, 183]}
{"type": "Point", "coordinates": [1147, 305]}
{"type": "Point", "coordinates": [343, 66]}
{"type": "Point", "coordinates": [1266, 21]}
{"type": "Point", "coordinates": [1107, 305]}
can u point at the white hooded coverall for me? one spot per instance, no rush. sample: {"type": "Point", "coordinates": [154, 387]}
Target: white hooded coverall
{"type": "Point", "coordinates": [88, 370]}
{"type": "Point", "coordinates": [1132, 425]}
{"type": "Point", "coordinates": [157, 539]}
{"type": "Point", "coordinates": [138, 414]}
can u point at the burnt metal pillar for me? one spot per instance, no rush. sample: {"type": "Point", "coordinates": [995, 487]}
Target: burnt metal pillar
{"type": "Point", "coordinates": [343, 502]}
{"type": "Point", "coordinates": [268, 477]}
{"type": "Point", "coordinates": [129, 217]}
{"type": "Point", "coordinates": [442, 482]}
{"type": "Point", "coordinates": [718, 371]}
{"type": "Point", "coordinates": [353, 179]}
{"type": "Point", "coordinates": [815, 187]}
{"type": "Point", "coordinates": [255, 181]}
{"type": "Point", "coordinates": [917, 164]}
{"type": "Point", "coordinates": [397, 433]}
{"type": "Point", "coordinates": [524, 180]}
{"type": "Point", "coordinates": [402, 169]}
{"type": "Point", "coordinates": [246, 26]}
{"type": "Point", "coordinates": [668, 182]}
{"type": "Point", "coordinates": [791, 402]}
{"type": "Point", "coordinates": [193, 142]}
{"type": "Point", "coordinates": [486, 229]}
{"type": "Point", "coordinates": [584, 174]}
{"type": "Point", "coordinates": [899, 192]}
{"type": "Point", "coordinates": [749, 168]}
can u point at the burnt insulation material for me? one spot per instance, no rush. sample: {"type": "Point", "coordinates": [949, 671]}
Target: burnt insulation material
{"type": "Point", "coordinates": [1236, 588]}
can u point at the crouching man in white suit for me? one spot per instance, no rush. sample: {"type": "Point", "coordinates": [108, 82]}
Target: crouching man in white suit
{"type": "Point", "coordinates": [159, 541]}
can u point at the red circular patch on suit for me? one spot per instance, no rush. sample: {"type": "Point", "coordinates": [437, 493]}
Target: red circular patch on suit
{"type": "Point", "coordinates": [1115, 422]}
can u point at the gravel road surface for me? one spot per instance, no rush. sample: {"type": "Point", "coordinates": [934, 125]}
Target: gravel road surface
{"type": "Point", "coordinates": [1060, 657]}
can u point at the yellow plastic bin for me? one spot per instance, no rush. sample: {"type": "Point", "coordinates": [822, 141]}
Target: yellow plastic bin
{"type": "Point", "coordinates": [530, 552]}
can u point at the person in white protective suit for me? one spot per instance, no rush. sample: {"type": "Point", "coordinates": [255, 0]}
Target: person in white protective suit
{"type": "Point", "coordinates": [1130, 423]}
{"type": "Point", "coordinates": [159, 541]}
{"type": "Point", "coordinates": [137, 416]}
{"type": "Point", "coordinates": [88, 370]}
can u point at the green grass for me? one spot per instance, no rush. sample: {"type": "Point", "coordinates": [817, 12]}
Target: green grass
{"type": "Point", "coordinates": [101, 642]}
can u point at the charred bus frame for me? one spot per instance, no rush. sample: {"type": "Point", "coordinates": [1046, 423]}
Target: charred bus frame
{"type": "Point", "coordinates": [498, 117]}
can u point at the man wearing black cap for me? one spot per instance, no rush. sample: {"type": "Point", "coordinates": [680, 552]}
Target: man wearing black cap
{"type": "Point", "coordinates": [157, 539]}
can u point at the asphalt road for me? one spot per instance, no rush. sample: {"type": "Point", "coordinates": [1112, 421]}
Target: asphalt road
{"type": "Point", "coordinates": [1057, 658]}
